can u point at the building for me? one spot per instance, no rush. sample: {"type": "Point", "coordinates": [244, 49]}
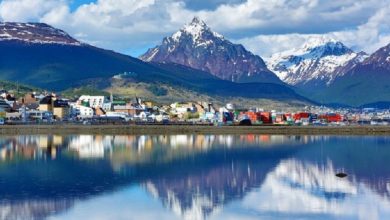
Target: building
{"type": "Point", "coordinates": [46, 104]}
{"type": "Point", "coordinates": [28, 99]}
{"type": "Point", "coordinates": [93, 101]}
{"type": "Point", "coordinates": [60, 108]}
{"type": "Point", "coordinates": [82, 111]}
{"type": "Point", "coordinates": [4, 105]}
{"type": "Point", "coordinates": [128, 109]}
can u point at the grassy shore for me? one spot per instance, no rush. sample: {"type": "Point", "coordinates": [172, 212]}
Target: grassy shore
{"type": "Point", "coordinates": [186, 129]}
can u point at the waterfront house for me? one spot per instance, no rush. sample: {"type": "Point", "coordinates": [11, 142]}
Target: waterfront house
{"type": "Point", "coordinates": [60, 108]}
{"type": "Point", "coordinates": [81, 111]}
{"type": "Point", "coordinates": [128, 109]}
{"type": "Point", "coordinates": [46, 104]}
{"type": "Point", "coordinates": [28, 99]}
{"type": "Point", "coordinates": [93, 101]}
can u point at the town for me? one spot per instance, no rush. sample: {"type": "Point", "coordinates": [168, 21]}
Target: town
{"type": "Point", "coordinates": [34, 108]}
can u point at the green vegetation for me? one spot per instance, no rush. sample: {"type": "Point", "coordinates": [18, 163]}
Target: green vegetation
{"type": "Point", "coordinates": [86, 90]}
{"type": "Point", "coordinates": [354, 90]}
{"type": "Point", "coordinates": [158, 90]}
{"type": "Point", "coordinates": [190, 115]}
{"type": "Point", "coordinates": [18, 89]}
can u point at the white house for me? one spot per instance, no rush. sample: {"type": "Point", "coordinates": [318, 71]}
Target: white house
{"type": "Point", "coordinates": [94, 101]}
{"type": "Point", "coordinates": [82, 111]}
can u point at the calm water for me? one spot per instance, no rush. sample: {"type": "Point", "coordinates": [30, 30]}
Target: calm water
{"type": "Point", "coordinates": [194, 177]}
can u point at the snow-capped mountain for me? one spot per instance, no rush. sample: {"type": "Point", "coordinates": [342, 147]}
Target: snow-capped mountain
{"type": "Point", "coordinates": [198, 47]}
{"type": "Point", "coordinates": [318, 62]}
{"type": "Point", "coordinates": [39, 33]}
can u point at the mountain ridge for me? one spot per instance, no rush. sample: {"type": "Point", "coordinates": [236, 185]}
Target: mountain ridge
{"type": "Point", "coordinates": [197, 46]}
{"type": "Point", "coordinates": [35, 33]}
{"type": "Point", "coordinates": [62, 65]}
{"type": "Point", "coordinates": [317, 63]}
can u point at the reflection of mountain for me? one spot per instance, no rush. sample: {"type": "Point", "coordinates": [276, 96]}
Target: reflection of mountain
{"type": "Point", "coordinates": [208, 162]}
{"type": "Point", "coordinates": [304, 189]}
{"type": "Point", "coordinates": [364, 158]}
{"type": "Point", "coordinates": [211, 180]}
{"type": "Point", "coordinates": [197, 175]}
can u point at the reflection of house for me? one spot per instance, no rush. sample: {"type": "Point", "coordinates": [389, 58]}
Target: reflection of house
{"type": "Point", "coordinates": [90, 146]}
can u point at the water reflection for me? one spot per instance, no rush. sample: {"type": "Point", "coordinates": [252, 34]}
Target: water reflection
{"type": "Point", "coordinates": [303, 190]}
{"type": "Point", "coordinates": [196, 176]}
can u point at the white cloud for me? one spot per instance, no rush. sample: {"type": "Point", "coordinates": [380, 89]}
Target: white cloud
{"type": "Point", "coordinates": [370, 36]}
{"type": "Point", "coordinates": [263, 26]}
{"type": "Point", "coordinates": [27, 10]}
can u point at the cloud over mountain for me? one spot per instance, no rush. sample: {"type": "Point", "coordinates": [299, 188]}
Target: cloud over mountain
{"type": "Point", "coordinates": [133, 25]}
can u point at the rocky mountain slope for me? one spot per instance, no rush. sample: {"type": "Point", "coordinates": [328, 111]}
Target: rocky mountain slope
{"type": "Point", "coordinates": [198, 47]}
{"type": "Point", "coordinates": [365, 83]}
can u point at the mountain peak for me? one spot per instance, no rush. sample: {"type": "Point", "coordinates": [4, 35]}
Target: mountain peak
{"type": "Point", "coordinates": [39, 33]}
{"type": "Point", "coordinates": [318, 61]}
{"type": "Point", "coordinates": [319, 41]}
{"type": "Point", "coordinates": [325, 46]}
{"type": "Point", "coordinates": [197, 21]}
{"type": "Point", "coordinates": [196, 30]}
{"type": "Point", "coordinates": [197, 46]}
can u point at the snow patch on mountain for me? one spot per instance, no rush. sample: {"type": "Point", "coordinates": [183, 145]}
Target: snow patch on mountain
{"type": "Point", "coordinates": [196, 29]}
{"type": "Point", "coordinates": [36, 33]}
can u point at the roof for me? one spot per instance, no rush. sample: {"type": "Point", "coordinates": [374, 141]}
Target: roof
{"type": "Point", "coordinates": [60, 103]}
{"type": "Point", "coordinates": [47, 100]}
{"type": "Point", "coordinates": [119, 102]}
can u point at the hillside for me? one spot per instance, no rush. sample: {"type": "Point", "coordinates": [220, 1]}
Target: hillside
{"type": "Point", "coordinates": [17, 88]}
{"type": "Point", "coordinates": [365, 83]}
{"type": "Point", "coordinates": [65, 63]}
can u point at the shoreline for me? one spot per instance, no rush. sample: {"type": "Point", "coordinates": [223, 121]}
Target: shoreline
{"type": "Point", "coordinates": [190, 129]}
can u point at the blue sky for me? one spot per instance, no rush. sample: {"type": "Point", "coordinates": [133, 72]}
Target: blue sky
{"type": "Point", "coordinates": [76, 3]}
{"type": "Point", "coordinates": [263, 26]}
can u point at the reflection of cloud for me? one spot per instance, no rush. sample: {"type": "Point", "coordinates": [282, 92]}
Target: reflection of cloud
{"type": "Point", "coordinates": [130, 203]}
{"type": "Point", "coordinates": [295, 188]}
{"type": "Point", "coordinates": [201, 205]}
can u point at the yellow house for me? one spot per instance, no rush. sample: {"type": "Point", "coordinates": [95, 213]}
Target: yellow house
{"type": "Point", "coordinates": [61, 112]}
{"type": "Point", "coordinates": [58, 107]}
{"type": "Point", "coordinates": [46, 104]}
